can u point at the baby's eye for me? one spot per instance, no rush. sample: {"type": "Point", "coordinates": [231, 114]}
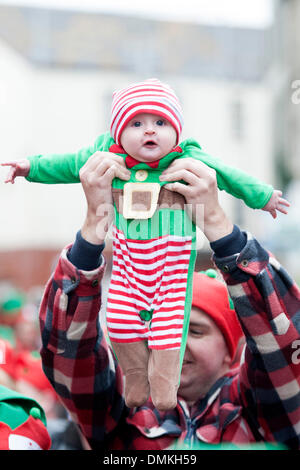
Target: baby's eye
{"type": "Point", "coordinates": [137, 123]}
{"type": "Point", "coordinates": [160, 122]}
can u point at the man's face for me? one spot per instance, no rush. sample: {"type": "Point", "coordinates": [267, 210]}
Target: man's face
{"type": "Point", "coordinates": [148, 137]}
{"type": "Point", "coordinates": [206, 357]}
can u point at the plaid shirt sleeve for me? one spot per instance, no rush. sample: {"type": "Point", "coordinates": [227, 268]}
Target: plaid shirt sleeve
{"type": "Point", "coordinates": [76, 358]}
{"type": "Point", "coordinates": [267, 302]}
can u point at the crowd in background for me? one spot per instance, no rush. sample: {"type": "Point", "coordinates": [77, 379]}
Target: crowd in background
{"type": "Point", "coordinates": [21, 367]}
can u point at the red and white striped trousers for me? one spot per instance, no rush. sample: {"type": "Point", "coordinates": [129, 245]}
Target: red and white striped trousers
{"type": "Point", "coordinates": [148, 275]}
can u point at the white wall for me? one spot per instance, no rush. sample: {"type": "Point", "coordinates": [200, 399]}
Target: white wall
{"type": "Point", "coordinates": [15, 98]}
{"type": "Point", "coordinates": [59, 111]}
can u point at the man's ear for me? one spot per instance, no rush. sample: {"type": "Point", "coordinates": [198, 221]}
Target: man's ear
{"type": "Point", "coordinates": [227, 359]}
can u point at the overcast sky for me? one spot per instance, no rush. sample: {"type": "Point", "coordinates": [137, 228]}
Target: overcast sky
{"type": "Point", "coordinates": [253, 13]}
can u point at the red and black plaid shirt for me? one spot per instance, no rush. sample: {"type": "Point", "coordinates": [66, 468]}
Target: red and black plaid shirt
{"type": "Point", "coordinates": [257, 401]}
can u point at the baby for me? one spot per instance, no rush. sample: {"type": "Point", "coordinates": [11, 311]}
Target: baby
{"type": "Point", "coordinates": [149, 298]}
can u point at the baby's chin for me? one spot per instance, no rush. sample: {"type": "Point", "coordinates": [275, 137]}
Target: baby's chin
{"type": "Point", "coordinates": [148, 158]}
{"type": "Point", "coordinates": [148, 155]}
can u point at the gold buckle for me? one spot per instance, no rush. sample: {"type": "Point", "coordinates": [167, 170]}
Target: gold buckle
{"type": "Point", "coordinates": [140, 200]}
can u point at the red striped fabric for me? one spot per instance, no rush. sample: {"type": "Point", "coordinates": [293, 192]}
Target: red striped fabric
{"type": "Point", "coordinates": [148, 275]}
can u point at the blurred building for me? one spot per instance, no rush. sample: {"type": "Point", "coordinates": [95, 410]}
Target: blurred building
{"type": "Point", "coordinates": [58, 70]}
{"type": "Point", "coordinates": [284, 236]}
{"type": "Point", "coordinates": [289, 20]}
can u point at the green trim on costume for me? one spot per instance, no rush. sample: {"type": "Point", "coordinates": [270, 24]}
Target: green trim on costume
{"type": "Point", "coordinates": [188, 304]}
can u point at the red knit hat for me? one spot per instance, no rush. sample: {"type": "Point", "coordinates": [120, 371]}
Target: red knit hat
{"type": "Point", "coordinates": [150, 96]}
{"type": "Point", "coordinates": [211, 296]}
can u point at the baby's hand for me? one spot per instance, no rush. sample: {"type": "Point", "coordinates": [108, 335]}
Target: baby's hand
{"type": "Point", "coordinates": [17, 168]}
{"type": "Point", "coordinates": [276, 203]}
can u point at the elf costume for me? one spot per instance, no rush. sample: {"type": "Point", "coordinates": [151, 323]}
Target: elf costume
{"type": "Point", "coordinates": [22, 423]}
{"type": "Point", "coordinates": [154, 253]}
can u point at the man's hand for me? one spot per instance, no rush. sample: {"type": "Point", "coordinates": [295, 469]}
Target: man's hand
{"type": "Point", "coordinates": [17, 168]}
{"type": "Point", "coordinates": [201, 195]}
{"type": "Point", "coordinates": [276, 203]}
{"type": "Point", "coordinates": [96, 178]}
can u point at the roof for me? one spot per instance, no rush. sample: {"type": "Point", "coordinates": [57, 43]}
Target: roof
{"type": "Point", "coordinates": [58, 38]}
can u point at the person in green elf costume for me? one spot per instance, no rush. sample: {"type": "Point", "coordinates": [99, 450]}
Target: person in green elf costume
{"type": "Point", "coordinates": [149, 299]}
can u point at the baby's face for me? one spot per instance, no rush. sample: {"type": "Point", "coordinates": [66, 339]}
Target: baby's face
{"type": "Point", "coordinates": [148, 137]}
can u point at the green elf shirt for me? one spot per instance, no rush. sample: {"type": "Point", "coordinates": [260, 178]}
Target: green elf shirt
{"type": "Point", "coordinates": [64, 168]}
{"type": "Point", "coordinates": [153, 257]}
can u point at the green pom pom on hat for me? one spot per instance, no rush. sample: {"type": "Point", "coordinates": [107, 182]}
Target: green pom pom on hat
{"type": "Point", "coordinates": [213, 274]}
{"type": "Point", "coordinates": [15, 408]}
{"type": "Point", "coordinates": [36, 413]}
{"type": "Point", "coordinates": [210, 273]}
{"type": "Point", "coordinates": [22, 423]}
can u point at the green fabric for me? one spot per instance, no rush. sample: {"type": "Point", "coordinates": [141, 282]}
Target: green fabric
{"type": "Point", "coordinates": [199, 445]}
{"type": "Point", "coordinates": [64, 168]}
{"type": "Point", "coordinates": [15, 408]}
{"type": "Point", "coordinates": [188, 303]}
{"type": "Point", "coordinates": [7, 333]}
{"type": "Point", "coordinates": [35, 355]}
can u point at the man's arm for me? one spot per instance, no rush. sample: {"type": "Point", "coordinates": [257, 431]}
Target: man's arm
{"type": "Point", "coordinates": [267, 302]}
{"type": "Point", "coordinates": [76, 357]}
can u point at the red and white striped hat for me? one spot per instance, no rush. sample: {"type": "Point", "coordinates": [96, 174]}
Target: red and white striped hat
{"type": "Point", "coordinates": [150, 96]}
